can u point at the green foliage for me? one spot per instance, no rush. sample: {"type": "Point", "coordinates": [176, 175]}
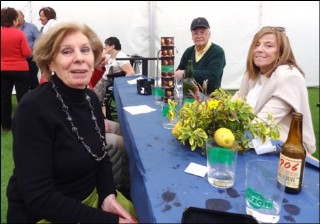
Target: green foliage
{"type": "Point", "coordinates": [200, 119]}
{"type": "Point", "coordinates": [314, 100]}
{"type": "Point", "coordinates": [6, 164]}
{"type": "Point", "coordinates": [172, 110]}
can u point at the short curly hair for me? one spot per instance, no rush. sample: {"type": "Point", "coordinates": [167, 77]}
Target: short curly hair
{"type": "Point", "coordinates": [48, 12]}
{"type": "Point", "coordinates": [47, 46]}
{"type": "Point", "coordinates": [8, 15]}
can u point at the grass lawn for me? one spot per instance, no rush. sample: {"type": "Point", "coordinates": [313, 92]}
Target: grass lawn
{"type": "Point", "coordinates": [7, 162]}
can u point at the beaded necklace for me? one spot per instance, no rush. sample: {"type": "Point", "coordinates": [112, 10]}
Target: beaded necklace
{"type": "Point", "coordinates": [74, 129]}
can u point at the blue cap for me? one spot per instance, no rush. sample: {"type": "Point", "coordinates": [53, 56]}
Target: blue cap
{"type": "Point", "coordinates": [199, 22]}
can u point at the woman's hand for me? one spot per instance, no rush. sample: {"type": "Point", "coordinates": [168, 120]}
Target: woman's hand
{"type": "Point", "coordinates": [103, 61]}
{"type": "Point", "coordinates": [111, 205]}
{"type": "Point", "coordinates": [107, 125]}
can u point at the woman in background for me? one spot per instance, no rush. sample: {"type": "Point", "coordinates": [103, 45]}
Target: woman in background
{"type": "Point", "coordinates": [113, 68]}
{"type": "Point", "coordinates": [48, 18]}
{"type": "Point", "coordinates": [14, 66]}
{"type": "Point", "coordinates": [274, 83]}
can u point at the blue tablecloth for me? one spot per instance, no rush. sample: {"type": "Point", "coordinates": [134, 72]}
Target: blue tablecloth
{"type": "Point", "coordinates": [161, 190]}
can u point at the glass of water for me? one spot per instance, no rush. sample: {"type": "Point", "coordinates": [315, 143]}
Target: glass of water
{"type": "Point", "coordinates": [221, 164]}
{"type": "Point", "coordinates": [264, 194]}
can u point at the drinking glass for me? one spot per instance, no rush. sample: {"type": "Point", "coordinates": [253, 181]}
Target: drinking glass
{"type": "Point", "coordinates": [221, 164]}
{"type": "Point", "coordinates": [158, 92]}
{"type": "Point", "coordinates": [264, 194]}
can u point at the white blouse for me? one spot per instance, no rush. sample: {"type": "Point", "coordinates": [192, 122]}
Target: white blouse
{"type": "Point", "coordinates": [255, 92]}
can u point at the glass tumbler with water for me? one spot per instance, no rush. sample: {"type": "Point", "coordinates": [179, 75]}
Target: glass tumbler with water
{"type": "Point", "coordinates": [221, 164]}
{"type": "Point", "coordinates": [264, 194]}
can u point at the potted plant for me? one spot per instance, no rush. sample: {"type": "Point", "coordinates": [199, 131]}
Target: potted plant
{"type": "Point", "coordinates": [200, 119]}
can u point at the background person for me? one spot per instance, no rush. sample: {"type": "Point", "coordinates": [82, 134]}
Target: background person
{"type": "Point", "coordinates": [48, 18]}
{"type": "Point", "coordinates": [113, 132]}
{"type": "Point", "coordinates": [113, 48]}
{"type": "Point", "coordinates": [208, 58]}
{"type": "Point", "coordinates": [14, 66]}
{"type": "Point", "coordinates": [31, 31]}
{"type": "Point", "coordinates": [112, 67]}
{"type": "Point", "coordinates": [274, 83]}
{"type": "Point", "coordinates": [62, 171]}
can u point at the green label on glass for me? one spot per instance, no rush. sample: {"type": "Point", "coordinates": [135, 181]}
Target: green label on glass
{"type": "Point", "coordinates": [221, 155]}
{"type": "Point", "coordinates": [167, 68]}
{"type": "Point", "coordinates": [188, 100]}
{"type": "Point", "coordinates": [257, 201]}
{"type": "Point", "coordinates": [165, 110]}
{"type": "Point", "coordinates": [158, 91]}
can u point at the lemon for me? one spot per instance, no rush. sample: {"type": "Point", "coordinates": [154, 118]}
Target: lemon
{"type": "Point", "coordinates": [224, 137]}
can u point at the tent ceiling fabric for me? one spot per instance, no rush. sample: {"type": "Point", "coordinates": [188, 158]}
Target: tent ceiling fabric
{"type": "Point", "coordinates": [139, 26]}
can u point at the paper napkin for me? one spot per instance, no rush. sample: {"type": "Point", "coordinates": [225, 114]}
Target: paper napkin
{"type": "Point", "coordinates": [141, 109]}
{"type": "Point", "coordinates": [196, 169]}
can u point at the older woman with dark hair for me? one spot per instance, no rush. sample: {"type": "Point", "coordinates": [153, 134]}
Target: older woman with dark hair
{"type": "Point", "coordinates": [14, 66]}
{"type": "Point", "coordinates": [113, 48]}
{"type": "Point", "coordinates": [48, 18]}
{"type": "Point", "coordinates": [62, 171]}
{"type": "Point", "coordinates": [113, 67]}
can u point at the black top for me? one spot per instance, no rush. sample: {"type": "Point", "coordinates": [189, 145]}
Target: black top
{"type": "Point", "coordinates": [53, 171]}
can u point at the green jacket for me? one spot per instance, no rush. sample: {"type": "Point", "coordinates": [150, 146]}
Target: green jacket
{"type": "Point", "coordinates": [210, 66]}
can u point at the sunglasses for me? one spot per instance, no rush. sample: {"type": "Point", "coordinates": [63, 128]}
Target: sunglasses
{"type": "Point", "coordinates": [276, 28]}
{"type": "Point", "coordinates": [46, 8]}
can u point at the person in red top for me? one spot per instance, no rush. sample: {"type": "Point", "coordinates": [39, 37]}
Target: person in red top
{"type": "Point", "coordinates": [14, 66]}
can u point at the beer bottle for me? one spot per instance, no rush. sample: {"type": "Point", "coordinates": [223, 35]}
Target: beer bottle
{"type": "Point", "coordinates": [293, 157]}
{"type": "Point", "coordinates": [189, 84]}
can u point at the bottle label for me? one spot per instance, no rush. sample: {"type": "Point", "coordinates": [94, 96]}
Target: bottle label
{"type": "Point", "coordinates": [292, 169]}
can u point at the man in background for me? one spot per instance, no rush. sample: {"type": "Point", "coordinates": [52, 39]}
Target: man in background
{"type": "Point", "coordinates": [208, 59]}
{"type": "Point", "coordinates": [32, 33]}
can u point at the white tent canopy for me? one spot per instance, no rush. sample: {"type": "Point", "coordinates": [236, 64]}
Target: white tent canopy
{"type": "Point", "coordinates": [139, 26]}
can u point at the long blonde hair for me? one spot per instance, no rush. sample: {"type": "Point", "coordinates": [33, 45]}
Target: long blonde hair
{"type": "Point", "coordinates": [285, 52]}
{"type": "Point", "coordinates": [47, 46]}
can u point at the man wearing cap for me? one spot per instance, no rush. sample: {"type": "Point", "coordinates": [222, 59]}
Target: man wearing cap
{"type": "Point", "coordinates": [208, 58]}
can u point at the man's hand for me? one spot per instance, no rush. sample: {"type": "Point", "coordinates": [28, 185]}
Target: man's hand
{"type": "Point", "coordinates": [179, 74]}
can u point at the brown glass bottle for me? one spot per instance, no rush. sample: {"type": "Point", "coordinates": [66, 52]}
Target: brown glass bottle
{"type": "Point", "coordinates": [189, 84]}
{"type": "Point", "coordinates": [293, 157]}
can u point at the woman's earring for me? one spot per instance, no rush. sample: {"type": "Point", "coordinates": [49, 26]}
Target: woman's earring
{"type": "Point", "coordinates": [52, 73]}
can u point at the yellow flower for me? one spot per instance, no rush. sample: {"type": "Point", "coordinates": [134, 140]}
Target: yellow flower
{"type": "Point", "coordinates": [213, 104]}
